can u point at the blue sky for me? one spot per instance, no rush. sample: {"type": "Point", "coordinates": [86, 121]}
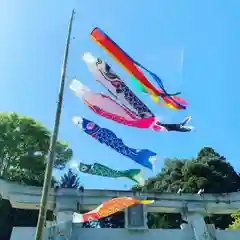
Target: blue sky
{"type": "Point", "coordinates": [32, 41]}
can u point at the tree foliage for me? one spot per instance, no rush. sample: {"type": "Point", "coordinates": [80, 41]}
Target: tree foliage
{"type": "Point", "coordinates": [70, 180]}
{"type": "Point", "coordinates": [236, 223]}
{"type": "Point", "coordinates": [24, 145]}
{"type": "Point", "coordinates": [209, 171]}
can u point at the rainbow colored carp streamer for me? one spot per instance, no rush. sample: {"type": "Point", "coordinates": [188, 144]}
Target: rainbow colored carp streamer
{"type": "Point", "coordinates": [133, 68]}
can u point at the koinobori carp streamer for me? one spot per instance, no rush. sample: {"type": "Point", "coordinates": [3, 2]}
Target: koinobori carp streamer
{"type": "Point", "coordinates": [106, 107]}
{"type": "Point", "coordinates": [104, 75]}
{"type": "Point", "coordinates": [108, 208]}
{"type": "Point", "coordinates": [98, 169]}
{"type": "Point", "coordinates": [105, 136]}
{"type": "Point", "coordinates": [133, 68]}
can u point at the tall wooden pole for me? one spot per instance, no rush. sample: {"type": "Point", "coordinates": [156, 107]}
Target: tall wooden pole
{"type": "Point", "coordinates": [51, 153]}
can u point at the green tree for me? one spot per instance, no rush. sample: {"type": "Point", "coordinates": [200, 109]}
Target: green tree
{"type": "Point", "coordinates": [235, 225]}
{"type": "Point", "coordinates": [24, 145]}
{"type": "Point", "coordinates": [209, 171]}
{"type": "Point", "coordinates": [70, 180]}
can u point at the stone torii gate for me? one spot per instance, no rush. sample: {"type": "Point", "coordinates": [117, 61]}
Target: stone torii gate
{"type": "Point", "coordinates": [193, 208]}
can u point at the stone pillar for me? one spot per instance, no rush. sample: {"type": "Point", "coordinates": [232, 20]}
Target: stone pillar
{"type": "Point", "coordinates": [136, 217]}
{"type": "Point", "coordinates": [199, 227]}
{"type": "Point", "coordinates": [63, 227]}
{"type": "Point", "coordinates": [65, 206]}
{"type": "Point", "coordinates": [63, 216]}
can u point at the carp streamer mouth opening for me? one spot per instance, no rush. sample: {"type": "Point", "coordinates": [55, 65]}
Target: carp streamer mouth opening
{"type": "Point", "coordinates": [89, 58]}
{"type": "Point", "coordinates": [77, 121]}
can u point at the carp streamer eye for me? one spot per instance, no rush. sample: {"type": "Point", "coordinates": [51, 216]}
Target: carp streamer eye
{"type": "Point", "coordinates": [90, 125]}
{"type": "Point", "coordinates": [84, 168]}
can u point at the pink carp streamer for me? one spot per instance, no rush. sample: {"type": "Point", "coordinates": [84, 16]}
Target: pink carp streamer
{"type": "Point", "coordinates": [106, 107]}
{"type": "Point", "coordinates": [108, 208]}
